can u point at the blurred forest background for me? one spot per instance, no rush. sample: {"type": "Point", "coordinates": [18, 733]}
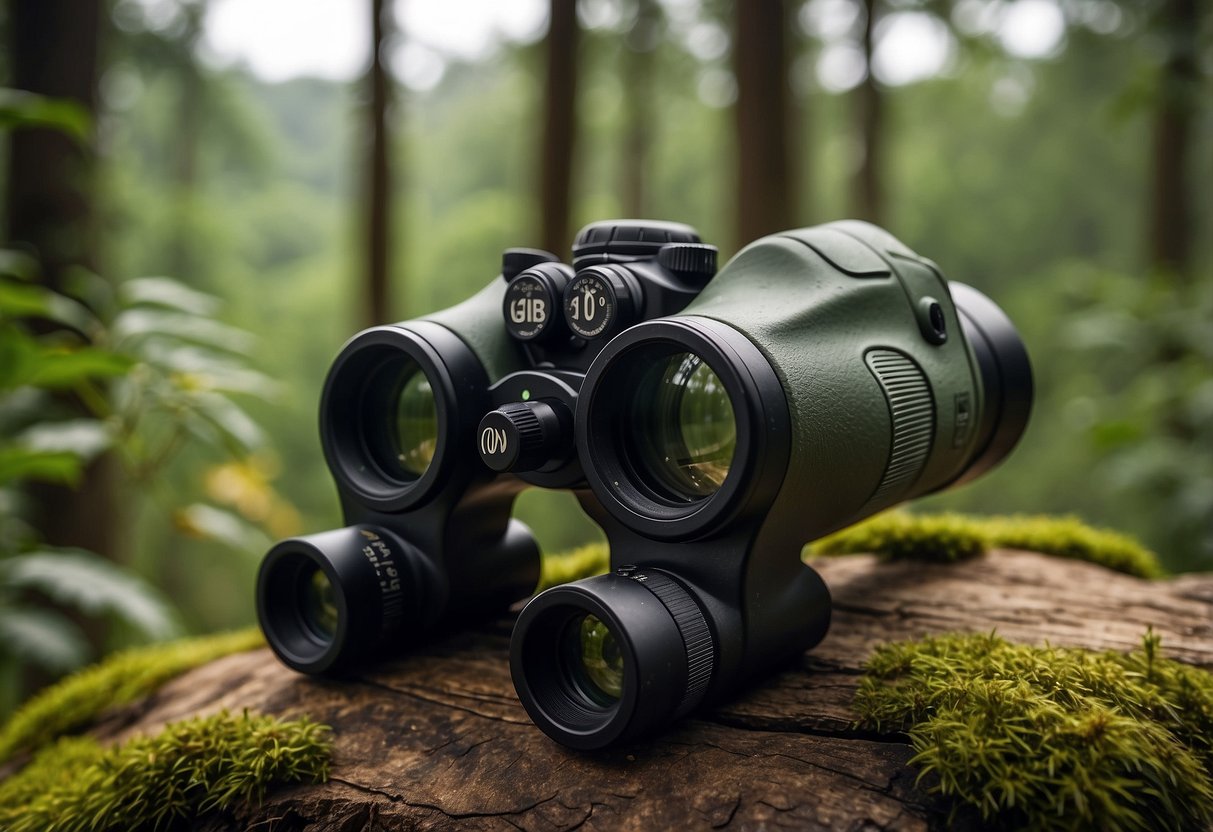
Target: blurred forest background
{"type": "Point", "coordinates": [189, 238]}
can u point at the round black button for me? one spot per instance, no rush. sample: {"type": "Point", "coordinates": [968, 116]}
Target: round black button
{"type": "Point", "coordinates": [621, 241]}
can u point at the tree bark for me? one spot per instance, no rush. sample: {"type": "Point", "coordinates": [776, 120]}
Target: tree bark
{"type": "Point", "coordinates": [639, 83]}
{"type": "Point", "coordinates": [766, 181]}
{"type": "Point", "coordinates": [559, 127]}
{"type": "Point", "coordinates": [54, 49]}
{"type": "Point", "coordinates": [869, 101]}
{"type": "Point", "coordinates": [439, 739]}
{"type": "Point", "coordinates": [377, 302]}
{"type": "Point", "coordinates": [1172, 223]}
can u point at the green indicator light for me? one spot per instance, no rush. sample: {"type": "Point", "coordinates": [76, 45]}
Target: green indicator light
{"type": "Point", "coordinates": [526, 395]}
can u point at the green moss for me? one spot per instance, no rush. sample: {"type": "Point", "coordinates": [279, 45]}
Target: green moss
{"type": "Point", "coordinates": [121, 678]}
{"type": "Point", "coordinates": [1047, 737]}
{"type": "Point", "coordinates": [190, 767]}
{"type": "Point", "coordinates": [902, 536]}
{"type": "Point", "coordinates": [1069, 537]}
{"type": "Point", "coordinates": [944, 538]}
{"type": "Point", "coordinates": [571, 566]}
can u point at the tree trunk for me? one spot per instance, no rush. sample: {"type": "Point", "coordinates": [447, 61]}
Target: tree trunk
{"type": "Point", "coordinates": [54, 46]}
{"type": "Point", "coordinates": [185, 169]}
{"type": "Point", "coordinates": [869, 101]}
{"type": "Point", "coordinates": [377, 308]}
{"type": "Point", "coordinates": [639, 84]}
{"type": "Point", "coordinates": [439, 739]}
{"type": "Point", "coordinates": [1172, 223]}
{"type": "Point", "coordinates": [766, 182]}
{"type": "Point", "coordinates": [559, 127]}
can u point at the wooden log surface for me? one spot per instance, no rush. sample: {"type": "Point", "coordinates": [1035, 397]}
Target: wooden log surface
{"type": "Point", "coordinates": [439, 740]}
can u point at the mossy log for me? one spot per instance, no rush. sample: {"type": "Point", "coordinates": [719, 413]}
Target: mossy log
{"type": "Point", "coordinates": [439, 739]}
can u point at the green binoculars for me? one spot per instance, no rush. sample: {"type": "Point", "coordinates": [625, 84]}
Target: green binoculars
{"type": "Point", "coordinates": [710, 422]}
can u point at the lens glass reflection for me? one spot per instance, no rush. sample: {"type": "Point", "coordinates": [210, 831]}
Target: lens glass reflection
{"type": "Point", "coordinates": [400, 419]}
{"type": "Point", "coordinates": [683, 432]}
{"type": "Point", "coordinates": [318, 603]}
{"type": "Point", "coordinates": [591, 655]}
{"type": "Point", "coordinates": [416, 424]}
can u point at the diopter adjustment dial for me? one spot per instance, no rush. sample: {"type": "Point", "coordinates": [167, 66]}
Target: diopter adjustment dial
{"type": "Point", "coordinates": [525, 436]}
{"type": "Point", "coordinates": [693, 262]}
{"type": "Point", "coordinates": [622, 241]}
{"type": "Point", "coordinates": [532, 303]}
{"type": "Point", "coordinates": [602, 300]}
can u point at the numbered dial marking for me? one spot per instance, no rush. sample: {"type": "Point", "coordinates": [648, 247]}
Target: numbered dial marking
{"type": "Point", "coordinates": [590, 305]}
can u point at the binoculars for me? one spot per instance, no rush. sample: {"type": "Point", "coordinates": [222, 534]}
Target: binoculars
{"type": "Point", "coordinates": [710, 423]}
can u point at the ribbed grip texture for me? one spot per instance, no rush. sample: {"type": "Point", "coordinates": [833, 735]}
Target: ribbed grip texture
{"type": "Point", "coordinates": [696, 635]}
{"type": "Point", "coordinates": [912, 415]}
{"type": "Point", "coordinates": [689, 259]}
{"type": "Point", "coordinates": [530, 432]}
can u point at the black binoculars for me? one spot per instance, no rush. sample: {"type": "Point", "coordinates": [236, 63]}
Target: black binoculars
{"type": "Point", "coordinates": [710, 423]}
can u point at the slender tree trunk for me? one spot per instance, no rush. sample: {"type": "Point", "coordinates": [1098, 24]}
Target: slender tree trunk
{"type": "Point", "coordinates": [766, 184]}
{"type": "Point", "coordinates": [868, 193]}
{"type": "Point", "coordinates": [54, 47]}
{"type": "Point", "coordinates": [377, 299]}
{"type": "Point", "coordinates": [185, 174]}
{"type": "Point", "coordinates": [559, 127]}
{"type": "Point", "coordinates": [640, 48]}
{"type": "Point", "coordinates": [1172, 223]}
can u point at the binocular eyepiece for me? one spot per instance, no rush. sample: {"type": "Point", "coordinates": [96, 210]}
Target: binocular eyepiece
{"type": "Point", "coordinates": [711, 424]}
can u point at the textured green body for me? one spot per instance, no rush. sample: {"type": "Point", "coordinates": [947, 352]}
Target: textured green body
{"type": "Point", "coordinates": [817, 302]}
{"type": "Point", "coordinates": [477, 321]}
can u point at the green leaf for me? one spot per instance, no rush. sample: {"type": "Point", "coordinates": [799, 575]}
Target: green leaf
{"type": "Point", "coordinates": [164, 291]}
{"type": "Point", "coordinates": [233, 423]}
{"type": "Point", "coordinates": [134, 325]}
{"type": "Point", "coordinates": [18, 264]}
{"type": "Point", "coordinates": [23, 464]}
{"type": "Point", "coordinates": [42, 636]}
{"type": "Point", "coordinates": [85, 438]}
{"type": "Point", "coordinates": [25, 109]}
{"type": "Point", "coordinates": [65, 368]}
{"type": "Point", "coordinates": [23, 300]}
{"type": "Point", "coordinates": [197, 368]}
{"type": "Point", "coordinates": [89, 583]}
{"type": "Point", "coordinates": [210, 523]}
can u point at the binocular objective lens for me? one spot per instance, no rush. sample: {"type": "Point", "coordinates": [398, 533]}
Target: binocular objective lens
{"type": "Point", "coordinates": [318, 603]}
{"type": "Point", "coordinates": [683, 428]}
{"type": "Point", "coordinates": [592, 656]}
{"type": "Point", "coordinates": [416, 424]}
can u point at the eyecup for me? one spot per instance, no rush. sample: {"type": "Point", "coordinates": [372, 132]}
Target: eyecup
{"type": "Point", "coordinates": [1006, 376]}
{"type": "Point", "coordinates": [375, 584]}
{"type": "Point", "coordinates": [667, 650]}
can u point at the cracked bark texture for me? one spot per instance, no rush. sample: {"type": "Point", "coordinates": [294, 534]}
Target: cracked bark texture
{"type": "Point", "coordinates": [439, 740]}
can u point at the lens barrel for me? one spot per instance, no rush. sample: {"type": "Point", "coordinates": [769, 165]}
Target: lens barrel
{"type": "Point", "coordinates": [611, 658]}
{"type": "Point", "coordinates": [682, 424]}
{"type": "Point", "coordinates": [396, 401]}
{"type": "Point", "coordinates": [1006, 377]}
{"type": "Point", "coordinates": [328, 600]}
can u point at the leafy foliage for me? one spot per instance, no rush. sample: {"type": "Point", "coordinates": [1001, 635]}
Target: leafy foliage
{"type": "Point", "coordinates": [189, 768]}
{"type": "Point", "coordinates": [946, 538]}
{"type": "Point", "coordinates": [1048, 737]}
{"type": "Point", "coordinates": [118, 680]}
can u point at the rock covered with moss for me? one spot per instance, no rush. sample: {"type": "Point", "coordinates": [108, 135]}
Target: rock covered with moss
{"type": "Point", "coordinates": [1048, 737]}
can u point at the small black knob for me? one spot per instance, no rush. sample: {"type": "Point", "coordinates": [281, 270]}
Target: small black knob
{"type": "Point", "coordinates": [622, 241]}
{"type": "Point", "coordinates": [514, 261]}
{"type": "Point", "coordinates": [524, 436]}
{"type": "Point", "coordinates": [531, 305]}
{"type": "Point", "coordinates": [693, 262]}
